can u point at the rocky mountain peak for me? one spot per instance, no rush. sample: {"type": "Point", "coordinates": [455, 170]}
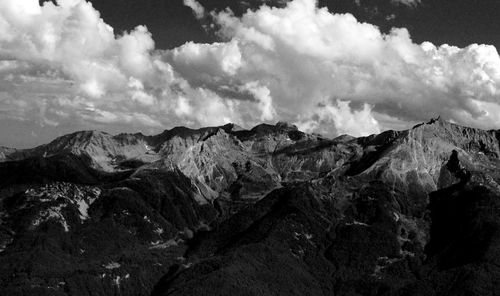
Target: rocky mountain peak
{"type": "Point", "coordinates": [437, 119]}
{"type": "Point", "coordinates": [470, 139]}
{"type": "Point", "coordinates": [232, 127]}
{"type": "Point", "coordinates": [282, 125]}
{"type": "Point", "coordinates": [279, 127]}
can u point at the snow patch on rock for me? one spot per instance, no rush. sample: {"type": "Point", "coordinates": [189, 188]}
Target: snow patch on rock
{"type": "Point", "coordinates": [4, 244]}
{"type": "Point", "coordinates": [118, 279]}
{"type": "Point", "coordinates": [54, 213]}
{"type": "Point", "coordinates": [112, 265]}
{"type": "Point", "coordinates": [164, 245]}
{"type": "Point", "coordinates": [357, 223]}
{"type": "Point", "coordinates": [56, 196]}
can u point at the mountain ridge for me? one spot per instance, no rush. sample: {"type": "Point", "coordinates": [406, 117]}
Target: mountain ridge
{"type": "Point", "coordinates": [224, 210]}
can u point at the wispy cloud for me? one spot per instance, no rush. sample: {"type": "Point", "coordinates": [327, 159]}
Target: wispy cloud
{"type": "Point", "coordinates": [198, 9]}
{"type": "Point", "coordinates": [409, 3]}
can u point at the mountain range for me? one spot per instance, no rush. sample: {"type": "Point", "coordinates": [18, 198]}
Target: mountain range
{"type": "Point", "coordinates": [266, 211]}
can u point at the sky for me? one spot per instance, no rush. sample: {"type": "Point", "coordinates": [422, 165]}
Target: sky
{"type": "Point", "coordinates": [332, 67]}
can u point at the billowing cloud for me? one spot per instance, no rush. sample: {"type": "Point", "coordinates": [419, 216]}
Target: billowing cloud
{"type": "Point", "coordinates": [62, 65]}
{"type": "Point", "coordinates": [67, 51]}
{"type": "Point", "coordinates": [342, 118]}
{"type": "Point", "coordinates": [318, 65]}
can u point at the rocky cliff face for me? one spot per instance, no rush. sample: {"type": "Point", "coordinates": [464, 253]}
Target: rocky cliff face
{"type": "Point", "coordinates": [266, 211]}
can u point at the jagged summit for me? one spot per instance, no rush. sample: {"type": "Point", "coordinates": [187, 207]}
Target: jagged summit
{"type": "Point", "coordinates": [279, 126]}
{"type": "Point", "coordinates": [232, 127]}
{"type": "Point", "coordinates": [185, 132]}
{"type": "Point", "coordinates": [436, 119]}
{"type": "Point", "coordinates": [286, 126]}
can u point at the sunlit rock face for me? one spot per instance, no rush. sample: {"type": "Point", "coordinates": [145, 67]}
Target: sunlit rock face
{"type": "Point", "coordinates": [413, 161]}
{"type": "Point", "coordinates": [106, 152]}
{"type": "Point", "coordinates": [228, 210]}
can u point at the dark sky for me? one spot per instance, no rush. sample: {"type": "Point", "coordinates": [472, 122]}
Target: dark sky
{"type": "Point", "coordinates": [454, 22]}
{"type": "Point", "coordinates": [439, 21]}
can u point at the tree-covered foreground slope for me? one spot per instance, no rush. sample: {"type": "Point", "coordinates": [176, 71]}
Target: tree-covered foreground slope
{"type": "Point", "coordinates": [266, 211]}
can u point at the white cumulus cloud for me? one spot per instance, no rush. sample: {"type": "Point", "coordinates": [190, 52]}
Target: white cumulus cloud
{"type": "Point", "coordinates": [315, 62]}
